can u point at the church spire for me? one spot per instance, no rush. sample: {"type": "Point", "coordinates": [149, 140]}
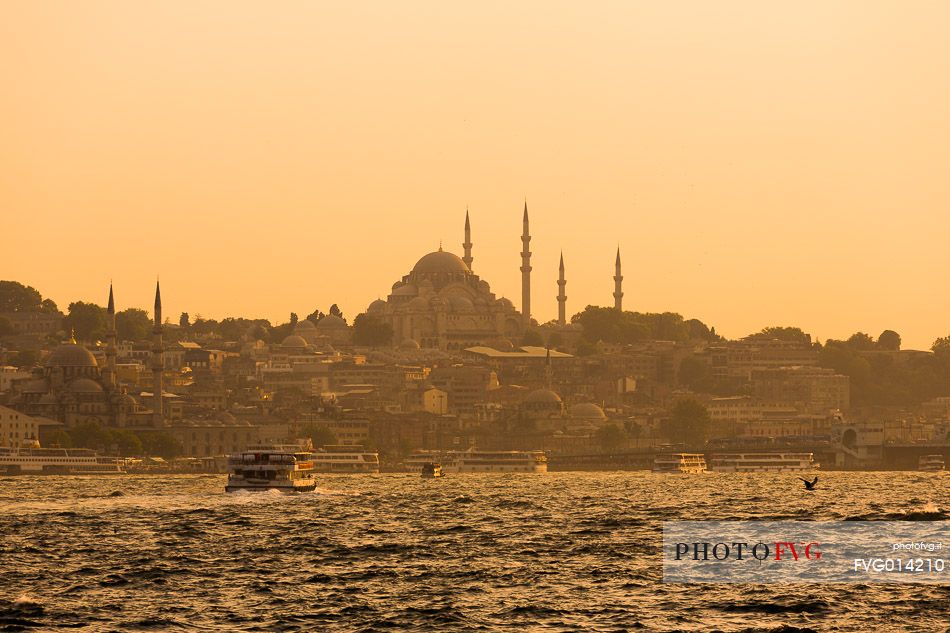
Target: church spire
{"type": "Point", "coordinates": [525, 269]}
{"type": "Point", "coordinates": [561, 297]}
{"type": "Point", "coordinates": [158, 361]}
{"type": "Point", "coordinates": [618, 284]}
{"type": "Point", "coordinates": [467, 244]}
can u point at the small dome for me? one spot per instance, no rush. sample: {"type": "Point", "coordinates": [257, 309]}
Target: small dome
{"type": "Point", "coordinates": [294, 341]}
{"type": "Point", "coordinates": [588, 411]}
{"type": "Point", "coordinates": [542, 396]}
{"type": "Point", "coordinates": [419, 303]}
{"type": "Point", "coordinates": [71, 355]}
{"type": "Point", "coordinates": [304, 325]}
{"type": "Point", "coordinates": [377, 306]}
{"type": "Point", "coordinates": [330, 321]}
{"type": "Point", "coordinates": [505, 303]}
{"type": "Point", "coordinates": [84, 385]}
{"type": "Point", "coordinates": [501, 344]}
{"type": "Point", "coordinates": [440, 262]}
{"type": "Point", "coordinates": [409, 344]}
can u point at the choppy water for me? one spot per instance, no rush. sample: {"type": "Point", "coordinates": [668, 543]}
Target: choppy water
{"type": "Point", "coordinates": [562, 552]}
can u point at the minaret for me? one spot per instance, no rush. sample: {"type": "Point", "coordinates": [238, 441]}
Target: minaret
{"type": "Point", "coordinates": [618, 281]}
{"type": "Point", "coordinates": [525, 270]}
{"type": "Point", "coordinates": [110, 340]}
{"type": "Point", "coordinates": [561, 297]}
{"type": "Point", "coordinates": [158, 361]}
{"type": "Point", "coordinates": [467, 244]}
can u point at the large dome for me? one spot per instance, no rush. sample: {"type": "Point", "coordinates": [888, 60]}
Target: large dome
{"type": "Point", "coordinates": [330, 321]}
{"type": "Point", "coordinates": [588, 411]}
{"type": "Point", "coordinates": [542, 396]}
{"type": "Point", "coordinates": [71, 355]}
{"type": "Point", "coordinates": [84, 385]}
{"type": "Point", "coordinates": [294, 341]}
{"type": "Point", "coordinates": [440, 262]}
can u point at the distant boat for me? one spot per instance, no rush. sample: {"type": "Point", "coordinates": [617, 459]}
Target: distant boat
{"type": "Point", "coordinates": [287, 468]}
{"type": "Point", "coordinates": [431, 470]}
{"type": "Point", "coordinates": [338, 458]}
{"type": "Point", "coordinates": [931, 463]}
{"type": "Point", "coordinates": [31, 459]}
{"type": "Point", "coordinates": [474, 461]}
{"type": "Point", "coordinates": [679, 463]}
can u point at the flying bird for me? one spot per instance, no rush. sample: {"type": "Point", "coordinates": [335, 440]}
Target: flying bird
{"type": "Point", "coordinates": [810, 485]}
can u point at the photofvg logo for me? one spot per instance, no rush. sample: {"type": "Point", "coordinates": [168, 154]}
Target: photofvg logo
{"type": "Point", "coordinates": [805, 551]}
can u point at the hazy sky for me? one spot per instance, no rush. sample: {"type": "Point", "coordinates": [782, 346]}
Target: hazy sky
{"type": "Point", "coordinates": [758, 165]}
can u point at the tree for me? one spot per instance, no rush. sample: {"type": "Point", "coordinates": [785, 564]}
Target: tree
{"type": "Point", "coordinates": [784, 333]}
{"type": "Point", "coordinates": [335, 311]}
{"type": "Point", "coordinates": [700, 331]}
{"type": "Point", "coordinates": [25, 359]}
{"type": "Point", "coordinates": [132, 324]}
{"type": "Point", "coordinates": [610, 437]}
{"type": "Point", "coordinates": [889, 340]}
{"type": "Point", "coordinates": [696, 374]}
{"type": "Point", "coordinates": [860, 341]}
{"type": "Point", "coordinates": [160, 444]}
{"type": "Point", "coordinates": [688, 423]}
{"type": "Point", "coordinates": [260, 333]}
{"type": "Point", "coordinates": [87, 320]}
{"type": "Point", "coordinates": [15, 297]}
{"type": "Point", "coordinates": [48, 305]}
{"type": "Point", "coordinates": [941, 346]}
{"type": "Point", "coordinates": [555, 340]}
{"type": "Point", "coordinates": [293, 318]}
{"type": "Point", "coordinates": [6, 327]}
{"type": "Point", "coordinates": [371, 331]}
{"type": "Point", "coordinates": [532, 338]}
{"type": "Point", "coordinates": [183, 320]}
{"type": "Point", "coordinates": [319, 435]}
{"type": "Point", "coordinates": [315, 316]}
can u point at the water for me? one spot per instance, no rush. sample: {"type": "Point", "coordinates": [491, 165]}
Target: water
{"type": "Point", "coordinates": [559, 552]}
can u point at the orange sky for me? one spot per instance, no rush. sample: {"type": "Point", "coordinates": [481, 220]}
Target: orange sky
{"type": "Point", "coordinates": [758, 166]}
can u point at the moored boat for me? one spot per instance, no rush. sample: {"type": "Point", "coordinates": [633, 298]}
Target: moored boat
{"type": "Point", "coordinates": [31, 459]}
{"type": "Point", "coordinates": [762, 462]}
{"type": "Point", "coordinates": [679, 463]}
{"type": "Point", "coordinates": [931, 463]}
{"type": "Point", "coordinates": [475, 461]}
{"type": "Point", "coordinates": [345, 459]}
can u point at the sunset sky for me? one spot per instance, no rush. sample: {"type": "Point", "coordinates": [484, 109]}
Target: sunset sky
{"type": "Point", "coordinates": [757, 165]}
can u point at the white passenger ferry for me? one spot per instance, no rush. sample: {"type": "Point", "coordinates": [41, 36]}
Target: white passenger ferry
{"type": "Point", "coordinates": [679, 463]}
{"type": "Point", "coordinates": [288, 468]}
{"type": "Point", "coordinates": [474, 461]}
{"type": "Point", "coordinates": [31, 459]}
{"type": "Point", "coordinates": [931, 463]}
{"type": "Point", "coordinates": [345, 459]}
{"type": "Point", "coordinates": [770, 462]}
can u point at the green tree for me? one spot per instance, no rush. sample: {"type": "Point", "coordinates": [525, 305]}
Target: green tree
{"type": "Point", "coordinates": [132, 324]}
{"type": "Point", "coordinates": [6, 327]}
{"type": "Point", "coordinates": [319, 435]}
{"type": "Point", "coordinates": [941, 346]}
{"type": "Point", "coordinates": [127, 442]}
{"type": "Point", "coordinates": [696, 374]}
{"type": "Point", "coordinates": [87, 320]}
{"type": "Point", "coordinates": [335, 311]}
{"type": "Point", "coordinates": [315, 316]}
{"type": "Point", "coordinates": [688, 423]}
{"type": "Point", "coordinates": [159, 444]}
{"type": "Point", "coordinates": [293, 318]}
{"type": "Point", "coordinates": [58, 438]}
{"type": "Point", "coordinates": [15, 297]}
{"type": "Point", "coordinates": [555, 340]}
{"type": "Point", "coordinates": [260, 332]}
{"type": "Point", "coordinates": [183, 320]}
{"type": "Point", "coordinates": [860, 341]}
{"type": "Point", "coordinates": [371, 331]}
{"type": "Point", "coordinates": [24, 359]}
{"type": "Point", "coordinates": [585, 348]}
{"type": "Point", "coordinates": [889, 340]}
{"type": "Point", "coordinates": [784, 333]}
{"type": "Point", "coordinates": [610, 437]}
{"type": "Point", "coordinates": [532, 338]}
{"type": "Point", "coordinates": [92, 435]}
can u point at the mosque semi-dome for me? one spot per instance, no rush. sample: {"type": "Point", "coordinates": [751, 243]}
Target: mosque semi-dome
{"type": "Point", "coordinates": [440, 262]}
{"type": "Point", "coordinates": [377, 306]}
{"type": "Point", "coordinates": [587, 411]}
{"type": "Point", "coordinates": [294, 341]}
{"type": "Point", "coordinates": [306, 324]}
{"type": "Point", "coordinates": [71, 355]}
{"type": "Point", "coordinates": [84, 385]}
{"type": "Point", "coordinates": [330, 321]}
{"type": "Point", "coordinates": [542, 396]}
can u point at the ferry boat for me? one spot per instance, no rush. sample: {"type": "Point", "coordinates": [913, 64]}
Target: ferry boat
{"type": "Point", "coordinates": [31, 459]}
{"type": "Point", "coordinates": [931, 463]}
{"type": "Point", "coordinates": [474, 461]}
{"type": "Point", "coordinates": [679, 463]}
{"type": "Point", "coordinates": [756, 462]}
{"type": "Point", "coordinates": [288, 468]}
{"type": "Point", "coordinates": [345, 459]}
{"type": "Point", "coordinates": [432, 470]}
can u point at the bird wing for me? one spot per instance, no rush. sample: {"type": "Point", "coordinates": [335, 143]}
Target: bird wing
{"type": "Point", "coordinates": [805, 480]}
{"type": "Point", "coordinates": [816, 480]}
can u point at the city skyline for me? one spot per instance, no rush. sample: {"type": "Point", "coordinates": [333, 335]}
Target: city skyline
{"type": "Point", "coordinates": [781, 169]}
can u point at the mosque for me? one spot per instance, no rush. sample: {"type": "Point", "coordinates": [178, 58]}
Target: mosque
{"type": "Point", "coordinates": [442, 304]}
{"type": "Point", "coordinates": [72, 388]}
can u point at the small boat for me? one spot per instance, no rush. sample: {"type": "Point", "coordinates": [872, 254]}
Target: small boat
{"type": "Point", "coordinates": [931, 463]}
{"type": "Point", "coordinates": [287, 468]}
{"type": "Point", "coordinates": [766, 462]}
{"type": "Point", "coordinates": [431, 470]}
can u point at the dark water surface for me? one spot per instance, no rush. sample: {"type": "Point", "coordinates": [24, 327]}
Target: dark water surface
{"type": "Point", "coordinates": [561, 552]}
